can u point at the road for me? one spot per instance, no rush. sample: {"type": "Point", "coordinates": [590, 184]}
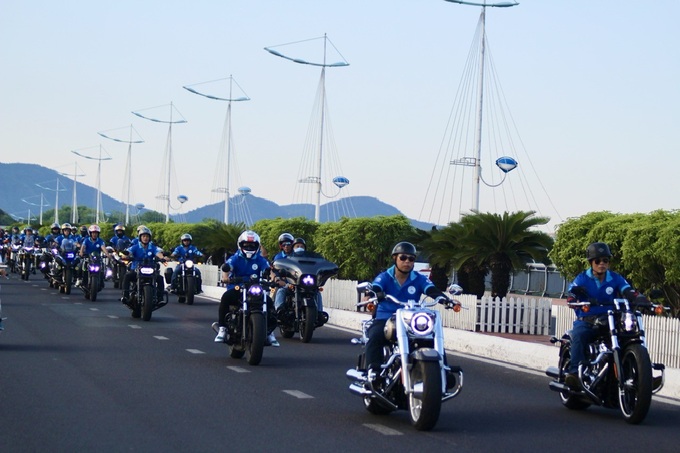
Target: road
{"type": "Point", "coordinates": [84, 376]}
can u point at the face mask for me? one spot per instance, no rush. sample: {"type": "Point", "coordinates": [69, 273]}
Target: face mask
{"type": "Point", "coordinates": [298, 250]}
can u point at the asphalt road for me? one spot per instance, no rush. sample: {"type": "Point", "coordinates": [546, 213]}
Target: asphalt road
{"type": "Point", "coordinates": [84, 376]}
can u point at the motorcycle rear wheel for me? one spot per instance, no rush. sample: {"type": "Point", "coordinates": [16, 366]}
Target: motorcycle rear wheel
{"type": "Point", "coordinates": [424, 411]}
{"type": "Point", "coordinates": [569, 401]}
{"type": "Point", "coordinates": [308, 324]}
{"type": "Point", "coordinates": [636, 370]}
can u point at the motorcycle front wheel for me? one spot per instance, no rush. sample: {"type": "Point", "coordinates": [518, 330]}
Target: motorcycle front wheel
{"type": "Point", "coordinates": [68, 281]}
{"type": "Point", "coordinates": [255, 338]}
{"type": "Point", "coordinates": [94, 287]}
{"type": "Point", "coordinates": [425, 402]}
{"type": "Point", "coordinates": [146, 302]}
{"type": "Point", "coordinates": [308, 324]}
{"type": "Point", "coordinates": [190, 289]}
{"type": "Point", "coordinates": [636, 377]}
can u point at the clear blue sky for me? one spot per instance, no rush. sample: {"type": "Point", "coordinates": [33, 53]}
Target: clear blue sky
{"type": "Point", "coordinates": [594, 88]}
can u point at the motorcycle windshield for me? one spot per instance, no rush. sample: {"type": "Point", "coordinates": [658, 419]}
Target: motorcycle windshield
{"type": "Point", "coordinates": [294, 268]}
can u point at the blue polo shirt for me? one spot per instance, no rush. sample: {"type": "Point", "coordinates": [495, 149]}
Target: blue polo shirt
{"type": "Point", "coordinates": [603, 292]}
{"type": "Point", "coordinates": [413, 288]}
{"type": "Point", "coordinates": [240, 266]}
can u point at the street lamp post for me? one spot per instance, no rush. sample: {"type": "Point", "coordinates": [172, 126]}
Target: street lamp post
{"type": "Point", "coordinates": [128, 165]}
{"type": "Point", "coordinates": [168, 153]}
{"type": "Point", "coordinates": [99, 175]}
{"type": "Point", "coordinates": [316, 179]}
{"type": "Point", "coordinates": [226, 141]}
{"type": "Point", "coordinates": [74, 205]}
{"type": "Point", "coordinates": [476, 161]}
{"type": "Point", "coordinates": [56, 198]}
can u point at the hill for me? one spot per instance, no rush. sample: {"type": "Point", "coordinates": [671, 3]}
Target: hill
{"type": "Point", "coordinates": [18, 182]}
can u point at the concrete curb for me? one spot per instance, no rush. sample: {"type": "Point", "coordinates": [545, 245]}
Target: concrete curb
{"type": "Point", "coordinates": [532, 356]}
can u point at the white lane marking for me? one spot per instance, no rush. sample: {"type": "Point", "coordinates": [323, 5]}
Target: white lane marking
{"type": "Point", "coordinates": [383, 429]}
{"type": "Point", "coordinates": [112, 316]}
{"type": "Point", "coordinates": [160, 337]}
{"type": "Point", "coordinates": [134, 326]}
{"type": "Point", "coordinates": [195, 351]}
{"type": "Point", "coordinates": [94, 309]}
{"type": "Point", "coordinates": [238, 369]}
{"type": "Point", "coordinates": [298, 394]}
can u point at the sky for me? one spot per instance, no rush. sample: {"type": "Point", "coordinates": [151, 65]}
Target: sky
{"type": "Point", "coordinates": [593, 89]}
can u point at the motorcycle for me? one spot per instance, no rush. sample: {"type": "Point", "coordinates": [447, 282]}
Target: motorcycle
{"type": "Point", "coordinates": [619, 372]}
{"type": "Point", "coordinates": [146, 293]}
{"type": "Point", "coordinates": [188, 281]}
{"type": "Point", "coordinates": [93, 276]}
{"type": "Point", "coordinates": [118, 267]}
{"type": "Point", "coordinates": [305, 278]}
{"type": "Point", "coordinates": [247, 326]}
{"type": "Point", "coordinates": [13, 260]}
{"type": "Point", "coordinates": [414, 373]}
{"type": "Point", "coordinates": [25, 261]}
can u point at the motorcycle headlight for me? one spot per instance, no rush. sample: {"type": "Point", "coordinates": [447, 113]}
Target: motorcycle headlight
{"type": "Point", "coordinates": [629, 322]}
{"type": "Point", "coordinates": [308, 280]}
{"type": "Point", "coordinates": [189, 264]}
{"type": "Point", "coordinates": [255, 290]}
{"type": "Point", "coordinates": [94, 268]}
{"type": "Point", "coordinates": [70, 255]}
{"type": "Point", "coordinates": [146, 270]}
{"type": "Point", "coordinates": [421, 324]}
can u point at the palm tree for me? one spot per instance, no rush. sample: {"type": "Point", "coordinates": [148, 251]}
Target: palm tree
{"type": "Point", "coordinates": [503, 243]}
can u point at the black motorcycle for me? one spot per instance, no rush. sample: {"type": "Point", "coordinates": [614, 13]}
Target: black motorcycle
{"type": "Point", "coordinates": [188, 281]}
{"type": "Point", "coordinates": [305, 277]}
{"type": "Point", "coordinates": [147, 293]}
{"type": "Point", "coordinates": [93, 275]}
{"type": "Point", "coordinates": [247, 326]}
{"type": "Point", "coordinates": [619, 372]}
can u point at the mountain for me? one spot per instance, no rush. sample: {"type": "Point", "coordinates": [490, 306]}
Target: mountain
{"type": "Point", "coordinates": [18, 182]}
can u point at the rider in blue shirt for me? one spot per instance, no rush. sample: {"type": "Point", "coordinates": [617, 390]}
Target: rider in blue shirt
{"type": "Point", "coordinates": [143, 250]}
{"type": "Point", "coordinates": [246, 262]}
{"type": "Point", "coordinates": [88, 246]}
{"type": "Point", "coordinates": [185, 251]}
{"type": "Point", "coordinates": [403, 283]}
{"type": "Point", "coordinates": [118, 235]}
{"type": "Point", "coordinates": [602, 286]}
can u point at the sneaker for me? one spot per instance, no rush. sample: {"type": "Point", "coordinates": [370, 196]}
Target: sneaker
{"type": "Point", "coordinates": [79, 281]}
{"type": "Point", "coordinates": [572, 381]}
{"type": "Point", "coordinates": [271, 339]}
{"type": "Point", "coordinates": [221, 335]}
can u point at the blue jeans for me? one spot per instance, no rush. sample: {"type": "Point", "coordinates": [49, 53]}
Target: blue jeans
{"type": "Point", "coordinates": [582, 334]}
{"type": "Point", "coordinates": [280, 299]}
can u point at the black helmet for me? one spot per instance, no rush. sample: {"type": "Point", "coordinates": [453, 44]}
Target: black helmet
{"type": "Point", "coordinates": [299, 241]}
{"type": "Point", "coordinates": [598, 250]}
{"type": "Point", "coordinates": [404, 247]}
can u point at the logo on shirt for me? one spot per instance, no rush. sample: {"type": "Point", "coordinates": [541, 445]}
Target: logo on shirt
{"type": "Point", "coordinates": [254, 267]}
{"type": "Point", "coordinates": [609, 291]}
{"type": "Point", "coordinates": [411, 290]}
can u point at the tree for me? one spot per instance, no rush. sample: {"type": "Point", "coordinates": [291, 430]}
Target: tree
{"type": "Point", "coordinates": [486, 242]}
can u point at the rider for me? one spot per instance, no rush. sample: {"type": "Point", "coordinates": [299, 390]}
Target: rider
{"type": "Point", "coordinates": [66, 231]}
{"type": "Point", "coordinates": [89, 245]}
{"type": "Point", "coordinates": [300, 250]}
{"type": "Point", "coordinates": [118, 235]}
{"type": "Point", "coordinates": [55, 230]}
{"type": "Point", "coordinates": [403, 283]}
{"type": "Point", "coordinates": [137, 253]}
{"type": "Point", "coordinates": [600, 284]}
{"type": "Point", "coordinates": [185, 251]}
{"type": "Point", "coordinates": [244, 263]}
{"type": "Point", "coordinates": [28, 239]}
{"type": "Point", "coordinates": [83, 234]}
{"type": "Point", "coordinates": [285, 250]}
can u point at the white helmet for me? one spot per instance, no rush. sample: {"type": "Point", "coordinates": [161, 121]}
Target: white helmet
{"type": "Point", "coordinates": [248, 243]}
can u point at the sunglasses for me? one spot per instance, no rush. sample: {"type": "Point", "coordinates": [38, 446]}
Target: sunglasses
{"type": "Point", "coordinates": [286, 244]}
{"type": "Point", "coordinates": [601, 260]}
{"type": "Point", "coordinates": [407, 258]}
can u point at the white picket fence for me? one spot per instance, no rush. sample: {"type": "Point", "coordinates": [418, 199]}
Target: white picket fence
{"type": "Point", "coordinates": [662, 334]}
{"type": "Point", "coordinates": [514, 315]}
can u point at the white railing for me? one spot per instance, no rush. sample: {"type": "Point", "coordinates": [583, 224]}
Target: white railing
{"type": "Point", "coordinates": [662, 334]}
{"type": "Point", "coordinates": [514, 315]}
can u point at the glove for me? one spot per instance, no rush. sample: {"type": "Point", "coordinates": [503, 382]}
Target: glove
{"type": "Point", "coordinates": [446, 302]}
{"type": "Point", "coordinates": [630, 294]}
